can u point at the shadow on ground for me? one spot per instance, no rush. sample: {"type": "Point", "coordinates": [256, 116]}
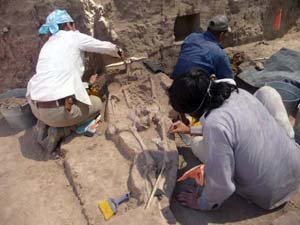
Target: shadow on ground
{"type": "Point", "coordinates": [31, 149]}
{"type": "Point", "coordinates": [233, 210]}
{"type": "Point", "coordinates": [5, 130]}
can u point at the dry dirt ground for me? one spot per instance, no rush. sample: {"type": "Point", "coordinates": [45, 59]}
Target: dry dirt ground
{"type": "Point", "coordinates": [36, 189]}
{"type": "Point", "coordinates": [264, 49]}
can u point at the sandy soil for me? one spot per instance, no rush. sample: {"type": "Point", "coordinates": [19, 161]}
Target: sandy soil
{"type": "Point", "coordinates": [36, 189]}
{"type": "Point", "coordinates": [33, 188]}
{"type": "Point", "coordinates": [9, 103]}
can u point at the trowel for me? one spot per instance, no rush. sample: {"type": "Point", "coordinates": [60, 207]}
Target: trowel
{"type": "Point", "coordinates": [123, 67]}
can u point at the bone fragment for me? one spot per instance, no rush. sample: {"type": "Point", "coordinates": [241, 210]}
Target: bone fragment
{"type": "Point", "coordinates": [127, 98]}
{"type": "Point", "coordinates": [153, 88]}
{"type": "Point", "coordinates": [113, 99]}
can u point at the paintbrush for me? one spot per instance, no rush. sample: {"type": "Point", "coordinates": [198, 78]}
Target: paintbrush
{"type": "Point", "coordinates": [109, 207]}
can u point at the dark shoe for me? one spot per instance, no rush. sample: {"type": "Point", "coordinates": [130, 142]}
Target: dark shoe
{"type": "Point", "coordinates": [41, 130]}
{"type": "Point", "coordinates": [55, 137]}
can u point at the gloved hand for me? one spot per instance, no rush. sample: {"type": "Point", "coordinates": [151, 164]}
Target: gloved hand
{"type": "Point", "coordinates": [196, 173]}
{"type": "Point", "coordinates": [93, 79]}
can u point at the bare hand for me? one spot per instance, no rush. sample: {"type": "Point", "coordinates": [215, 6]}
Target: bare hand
{"type": "Point", "coordinates": [93, 79]}
{"type": "Point", "coordinates": [184, 119]}
{"type": "Point", "coordinates": [188, 199]}
{"type": "Point", "coordinates": [179, 127]}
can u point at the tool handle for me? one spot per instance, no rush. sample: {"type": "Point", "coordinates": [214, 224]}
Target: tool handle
{"type": "Point", "coordinates": [122, 199]}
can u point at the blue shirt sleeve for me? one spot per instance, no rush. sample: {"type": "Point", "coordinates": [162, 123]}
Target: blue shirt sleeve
{"type": "Point", "coordinates": [223, 67]}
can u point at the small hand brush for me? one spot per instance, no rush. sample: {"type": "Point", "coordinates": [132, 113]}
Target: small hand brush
{"type": "Point", "coordinates": [109, 207]}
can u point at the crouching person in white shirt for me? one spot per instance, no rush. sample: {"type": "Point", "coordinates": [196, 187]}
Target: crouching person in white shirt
{"type": "Point", "coordinates": [57, 95]}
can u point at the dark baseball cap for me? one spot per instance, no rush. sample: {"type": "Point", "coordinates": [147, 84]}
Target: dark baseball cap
{"type": "Point", "coordinates": [219, 23]}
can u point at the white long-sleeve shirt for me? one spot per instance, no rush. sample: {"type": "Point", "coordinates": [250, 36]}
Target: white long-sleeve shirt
{"type": "Point", "coordinates": [60, 66]}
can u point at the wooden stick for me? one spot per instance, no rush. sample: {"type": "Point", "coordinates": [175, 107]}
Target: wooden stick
{"type": "Point", "coordinates": [262, 58]}
{"type": "Point", "coordinates": [165, 160]}
{"type": "Point", "coordinates": [155, 186]}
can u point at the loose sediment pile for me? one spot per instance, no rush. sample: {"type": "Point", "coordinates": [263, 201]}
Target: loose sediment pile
{"type": "Point", "coordinates": [8, 103]}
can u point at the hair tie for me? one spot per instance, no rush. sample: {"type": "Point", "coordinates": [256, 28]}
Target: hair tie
{"type": "Point", "coordinates": [208, 89]}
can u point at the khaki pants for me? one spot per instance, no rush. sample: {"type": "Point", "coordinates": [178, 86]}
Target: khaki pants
{"type": "Point", "coordinates": [60, 117]}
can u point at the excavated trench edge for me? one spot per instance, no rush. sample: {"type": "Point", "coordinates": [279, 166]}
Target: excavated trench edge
{"type": "Point", "coordinates": [68, 174]}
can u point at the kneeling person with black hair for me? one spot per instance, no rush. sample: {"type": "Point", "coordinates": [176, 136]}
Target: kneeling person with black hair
{"type": "Point", "coordinates": [244, 149]}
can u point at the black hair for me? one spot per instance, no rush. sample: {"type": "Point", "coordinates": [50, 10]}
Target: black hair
{"type": "Point", "coordinates": [215, 32]}
{"type": "Point", "coordinates": [62, 26]}
{"type": "Point", "coordinates": [194, 93]}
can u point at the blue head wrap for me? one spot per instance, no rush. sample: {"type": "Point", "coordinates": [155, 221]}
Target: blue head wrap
{"type": "Point", "coordinates": [53, 19]}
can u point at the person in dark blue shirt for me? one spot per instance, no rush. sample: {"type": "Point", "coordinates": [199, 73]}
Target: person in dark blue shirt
{"type": "Point", "coordinates": [203, 50]}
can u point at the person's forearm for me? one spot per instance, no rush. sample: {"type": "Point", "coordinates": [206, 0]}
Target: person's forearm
{"type": "Point", "coordinates": [90, 44]}
{"type": "Point", "coordinates": [106, 48]}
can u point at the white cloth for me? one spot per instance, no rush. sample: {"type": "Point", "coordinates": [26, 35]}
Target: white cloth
{"type": "Point", "coordinates": [199, 149]}
{"type": "Point", "coordinates": [226, 80]}
{"type": "Point", "coordinates": [61, 65]}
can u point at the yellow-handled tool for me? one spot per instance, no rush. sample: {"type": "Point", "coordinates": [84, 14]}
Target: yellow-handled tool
{"type": "Point", "coordinates": [109, 207]}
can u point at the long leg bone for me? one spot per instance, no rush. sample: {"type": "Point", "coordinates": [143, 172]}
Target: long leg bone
{"type": "Point", "coordinates": [112, 105]}
{"type": "Point", "coordinates": [149, 160]}
{"type": "Point", "coordinates": [150, 163]}
{"type": "Point", "coordinates": [112, 100]}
